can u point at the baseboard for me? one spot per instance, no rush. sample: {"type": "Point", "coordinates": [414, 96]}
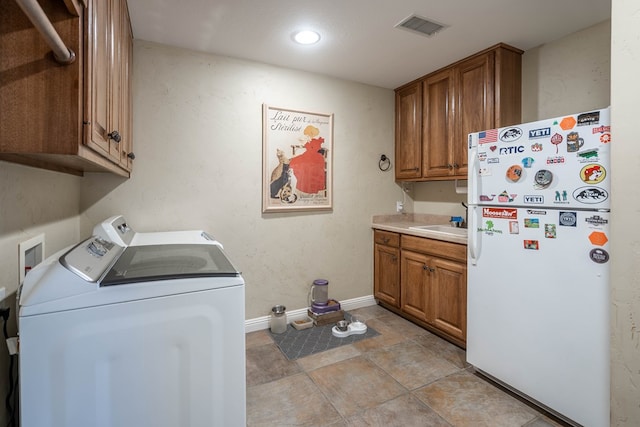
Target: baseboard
{"type": "Point", "coordinates": [260, 323]}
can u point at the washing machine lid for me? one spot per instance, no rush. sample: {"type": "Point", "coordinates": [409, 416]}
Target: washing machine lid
{"type": "Point", "coordinates": [167, 262]}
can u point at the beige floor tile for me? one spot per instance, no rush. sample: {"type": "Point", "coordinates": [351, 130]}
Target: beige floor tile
{"type": "Point", "coordinates": [401, 325]}
{"type": "Point", "coordinates": [465, 400]}
{"type": "Point", "coordinates": [451, 352]}
{"type": "Point", "coordinates": [388, 337]}
{"type": "Point", "coordinates": [404, 411]}
{"type": "Point", "coordinates": [543, 421]}
{"type": "Point", "coordinates": [258, 338]}
{"type": "Point", "coordinates": [290, 401]}
{"type": "Point", "coordinates": [318, 360]}
{"type": "Point", "coordinates": [267, 363]}
{"type": "Point", "coordinates": [411, 364]}
{"type": "Point", "coordinates": [370, 312]}
{"type": "Point", "coordinates": [355, 384]}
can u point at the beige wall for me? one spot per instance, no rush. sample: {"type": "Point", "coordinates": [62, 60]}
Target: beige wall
{"type": "Point", "coordinates": [567, 75]}
{"type": "Point", "coordinates": [625, 205]}
{"type": "Point", "coordinates": [198, 136]}
{"type": "Point", "coordinates": [32, 202]}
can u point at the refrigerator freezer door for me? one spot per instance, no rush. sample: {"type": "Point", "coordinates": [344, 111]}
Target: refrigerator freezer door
{"type": "Point", "coordinates": [561, 162]}
{"type": "Point", "coordinates": [538, 311]}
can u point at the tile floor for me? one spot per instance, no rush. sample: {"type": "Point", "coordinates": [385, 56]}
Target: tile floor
{"type": "Point", "coordinates": [405, 377]}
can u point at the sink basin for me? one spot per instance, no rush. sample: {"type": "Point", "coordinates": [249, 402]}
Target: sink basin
{"type": "Point", "coordinates": [441, 229]}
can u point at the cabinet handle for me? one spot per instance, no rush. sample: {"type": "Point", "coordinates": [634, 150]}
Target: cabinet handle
{"type": "Point", "coordinates": [456, 166]}
{"type": "Point", "coordinates": [449, 166]}
{"type": "Point", "coordinates": [412, 169]}
{"type": "Point", "coordinates": [385, 240]}
{"type": "Point", "coordinates": [115, 135]}
{"type": "Point", "coordinates": [427, 268]}
{"type": "Point", "coordinates": [131, 156]}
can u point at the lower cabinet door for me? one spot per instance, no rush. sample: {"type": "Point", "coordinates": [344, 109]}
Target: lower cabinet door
{"type": "Point", "coordinates": [450, 297]}
{"type": "Point", "coordinates": [416, 286]}
{"type": "Point", "coordinates": [387, 274]}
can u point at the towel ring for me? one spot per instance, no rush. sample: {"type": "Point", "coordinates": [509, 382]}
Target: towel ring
{"type": "Point", "coordinates": [384, 164]}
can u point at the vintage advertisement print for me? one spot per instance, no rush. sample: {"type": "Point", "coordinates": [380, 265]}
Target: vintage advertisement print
{"type": "Point", "coordinates": [297, 150]}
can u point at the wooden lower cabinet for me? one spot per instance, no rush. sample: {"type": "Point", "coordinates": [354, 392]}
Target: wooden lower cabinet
{"type": "Point", "coordinates": [432, 289]}
{"type": "Point", "coordinates": [417, 289]}
{"type": "Point", "coordinates": [386, 264]}
{"type": "Point", "coordinates": [450, 297]}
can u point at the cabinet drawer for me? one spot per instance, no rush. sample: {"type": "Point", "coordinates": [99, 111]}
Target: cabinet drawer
{"type": "Point", "coordinates": [442, 249]}
{"type": "Point", "coordinates": [386, 238]}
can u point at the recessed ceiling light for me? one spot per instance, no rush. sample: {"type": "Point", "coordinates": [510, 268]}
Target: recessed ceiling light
{"type": "Point", "coordinates": [306, 37]}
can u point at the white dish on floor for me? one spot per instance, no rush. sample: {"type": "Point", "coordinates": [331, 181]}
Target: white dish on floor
{"type": "Point", "coordinates": [353, 328]}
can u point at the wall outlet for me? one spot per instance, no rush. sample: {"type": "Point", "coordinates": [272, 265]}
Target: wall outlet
{"type": "Point", "coordinates": [399, 206]}
{"type": "Point", "coordinates": [30, 254]}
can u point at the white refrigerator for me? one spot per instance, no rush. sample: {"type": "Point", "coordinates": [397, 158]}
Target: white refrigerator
{"type": "Point", "coordinates": [538, 264]}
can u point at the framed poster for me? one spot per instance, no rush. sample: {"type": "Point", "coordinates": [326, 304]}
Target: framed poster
{"type": "Point", "coordinates": [297, 160]}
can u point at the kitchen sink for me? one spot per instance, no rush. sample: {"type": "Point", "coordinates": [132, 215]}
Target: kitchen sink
{"type": "Point", "coordinates": [441, 229]}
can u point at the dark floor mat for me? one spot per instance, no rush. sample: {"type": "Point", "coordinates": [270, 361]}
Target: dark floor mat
{"type": "Point", "coordinates": [295, 344]}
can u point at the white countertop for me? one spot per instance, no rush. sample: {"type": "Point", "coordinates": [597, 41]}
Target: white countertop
{"type": "Point", "coordinates": [401, 223]}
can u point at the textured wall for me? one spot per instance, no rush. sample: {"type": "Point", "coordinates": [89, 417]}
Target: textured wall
{"type": "Point", "coordinates": [568, 75]}
{"type": "Point", "coordinates": [32, 202]}
{"type": "Point", "coordinates": [625, 240]}
{"type": "Point", "coordinates": [198, 142]}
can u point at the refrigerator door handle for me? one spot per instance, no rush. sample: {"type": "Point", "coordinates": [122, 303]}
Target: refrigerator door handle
{"type": "Point", "coordinates": [474, 167]}
{"type": "Point", "coordinates": [472, 239]}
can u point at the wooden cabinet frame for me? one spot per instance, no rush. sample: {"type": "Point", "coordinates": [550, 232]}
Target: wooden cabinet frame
{"type": "Point", "coordinates": [435, 114]}
{"type": "Point", "coordinates": [432, 282]}
{"type": "Point", "coordinates": [52, 114]}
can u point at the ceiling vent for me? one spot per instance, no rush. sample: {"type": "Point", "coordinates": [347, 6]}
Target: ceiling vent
{"type": "Point", "coordinates": [423, 26]}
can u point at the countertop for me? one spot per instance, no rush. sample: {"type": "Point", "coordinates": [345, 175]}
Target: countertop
{"type": "Point", "coordinates": [400, 223]}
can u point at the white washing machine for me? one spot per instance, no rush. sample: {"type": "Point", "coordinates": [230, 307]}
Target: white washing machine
{"type": "Point", "coordinates": [142, 330]}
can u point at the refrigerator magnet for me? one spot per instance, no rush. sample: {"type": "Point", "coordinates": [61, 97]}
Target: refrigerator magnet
{"type": "Point", "coordinates": [550, 231]}
{"type": "Point", "coordinates": [531, 244]}
{"type": "Point", "coordinates": [599, 255]}
{"type": "Point", "coordinates": [593, 173]}
{"type": "Point", "coordinates": [514, 228]}
{"type": "Point", "coordinates": [514, 173]}
{"type": "Point", "coordinates": [527, 162]}
{"type": "Point", "coordinates": [543, 178]}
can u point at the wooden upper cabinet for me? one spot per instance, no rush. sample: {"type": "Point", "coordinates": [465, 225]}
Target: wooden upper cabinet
{"type": "Point", "coordinates": [108, 111]}
{"type": "Point", "coordinates": [98, 73]}
{"type": "Point", "coordinates": [437, 126]}
{"type": "Point", "coordinates": [408, 128]}
{"type": "Point", "coordinates": [59, 117]}
{"type": "Point", "coordinates": [480, 92]}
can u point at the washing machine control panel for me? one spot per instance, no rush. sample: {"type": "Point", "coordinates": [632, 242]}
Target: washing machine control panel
{"type": "Point", "coordinates": [91, 258]}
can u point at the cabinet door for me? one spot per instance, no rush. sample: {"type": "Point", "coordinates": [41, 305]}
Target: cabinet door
{"type": "Point", "coordinates": [103, 77]}
{"type": "Point", "coordinates": [437, 125]}
{"type": "Point", "coordinates": [409, 132]}
{"type": "Point", "coordinates": [475, 104]}
{"type": "Point", "coordinates": [386, 274]}
{"type": "Point", "coordinates": [98, 72]}
{"type": "Point", "coordinates": [415, 286]}
{"type": "Point", "coordinates": [450, 297]}
{"type": "Point", "coordinates": [122, 70]}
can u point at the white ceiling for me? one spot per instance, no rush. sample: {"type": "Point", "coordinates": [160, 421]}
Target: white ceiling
{"type": "Point", "coordinates": [359, 41]}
